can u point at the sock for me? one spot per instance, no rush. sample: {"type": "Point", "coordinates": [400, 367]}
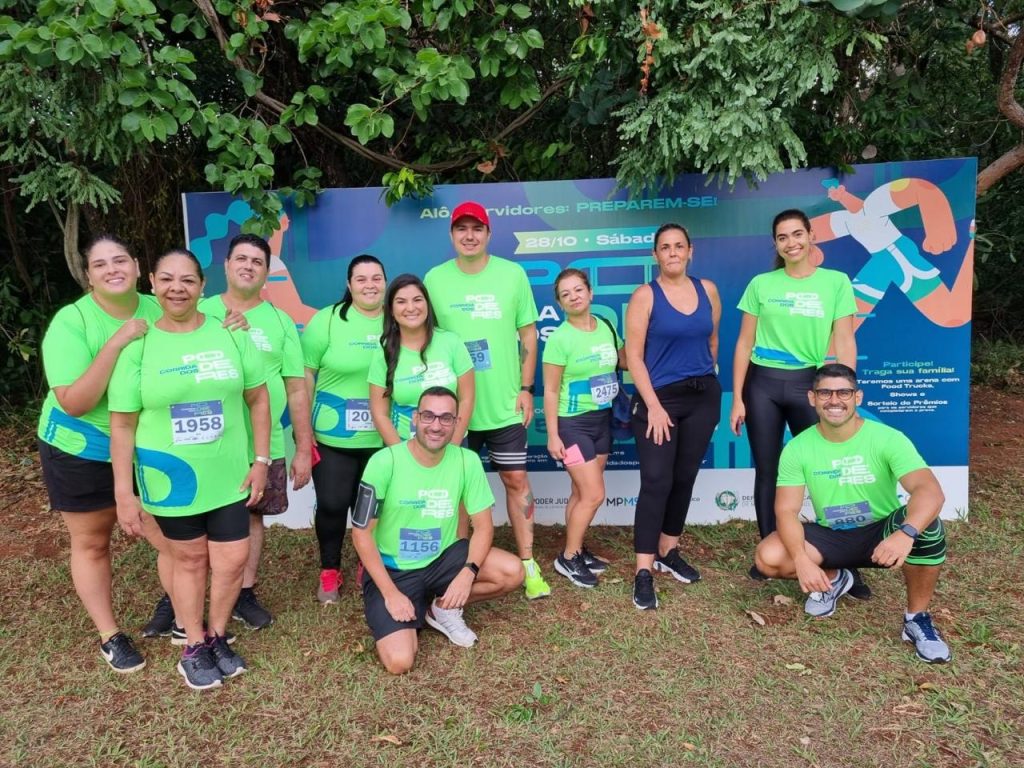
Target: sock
{"type": "Point", "coordinates": [105, 636]}
{"type": "Point", "coordinates": [909, 616]}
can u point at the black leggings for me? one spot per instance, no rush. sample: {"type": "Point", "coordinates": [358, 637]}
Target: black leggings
{"type": "Point", "coordinates": [668, 471]}
{"type": "Point", "coordinates": [336, 482]}
{"type": "Point", "coordinates": [773, 398]}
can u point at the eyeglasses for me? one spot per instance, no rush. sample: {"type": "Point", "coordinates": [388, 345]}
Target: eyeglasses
{"type": "Point", "coordinates": [842, 394]}
{"type": "Point", "coordinates": [428, 417]}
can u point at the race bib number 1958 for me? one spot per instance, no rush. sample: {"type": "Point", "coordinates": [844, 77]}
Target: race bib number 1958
{"type": "Point", "coordinates": [193, 423]}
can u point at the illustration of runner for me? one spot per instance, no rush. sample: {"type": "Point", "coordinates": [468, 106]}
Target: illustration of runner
{"type": "Point", "coordinates": [895, 258]}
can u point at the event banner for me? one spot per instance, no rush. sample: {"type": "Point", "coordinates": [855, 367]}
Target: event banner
{"type": "Point", "coordinates": [902, 231]}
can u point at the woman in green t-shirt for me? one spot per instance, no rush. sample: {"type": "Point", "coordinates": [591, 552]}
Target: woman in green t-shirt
{"type": "Point", "coordinates": [415, 354]}
{"type": "Point", "coordinates": [179, 400]}
{"type": "Point", "coordinates": [79, 351]}
{"type": "Point", "coordinates": [791, 317]}
{"type": "Point", "coordinates": [338, 345]}
{"type": "Point", "coordinates": [580, 383]}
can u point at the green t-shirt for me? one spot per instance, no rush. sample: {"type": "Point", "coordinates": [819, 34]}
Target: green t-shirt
{"type": "Point", "coordinates": [340, 351]}
{"type": "Point", "coordinates": [275, 336]}
{"type": "Point", "coordinates": [419, 506]}
{"type": "Point", "coordinates": [795, 316]}
{"type": "Point", "coordinates": [852, 483]}
{"type": "Point", "coordinates": [487, 310]}
{"type": "Point", "coordinates": [75, 336]}
{"type": "Point", "coordinates": [447, 359]}
{"type": "Point", "coordinates": [191, 445]}
{"type": "Point", "coordinates": [589, 382]}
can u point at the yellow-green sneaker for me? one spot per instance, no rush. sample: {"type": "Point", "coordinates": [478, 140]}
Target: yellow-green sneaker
{"type": "Point", "coordinates": [534, 583]}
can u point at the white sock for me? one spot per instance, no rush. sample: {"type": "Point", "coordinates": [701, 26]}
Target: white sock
{"type": "Point", "coordinates": [909, 616]}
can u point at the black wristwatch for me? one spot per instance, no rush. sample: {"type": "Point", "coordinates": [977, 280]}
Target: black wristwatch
{"type": "Point", "coordinates": [473, 567]}
{"type": "Point", "coordinates": [527, 388]}
{"type": "Point", "coordinates": [910, 530]}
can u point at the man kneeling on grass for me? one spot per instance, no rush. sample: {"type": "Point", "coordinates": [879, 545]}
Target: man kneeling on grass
{"type": "Point", "coordinates": [404, 530]}
{"type": "Point", "coordinates": [850, 467]}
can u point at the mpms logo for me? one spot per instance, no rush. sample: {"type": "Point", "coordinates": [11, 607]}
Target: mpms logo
{"type": "Point", "coordinates": [621, 501]}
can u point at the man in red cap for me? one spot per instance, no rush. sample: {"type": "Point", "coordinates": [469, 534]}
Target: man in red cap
{"type": "Point", "coordinates": [487, 300]}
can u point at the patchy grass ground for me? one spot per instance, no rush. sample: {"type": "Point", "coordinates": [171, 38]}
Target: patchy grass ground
{"type": "Point", "coordinates": [580, 679]}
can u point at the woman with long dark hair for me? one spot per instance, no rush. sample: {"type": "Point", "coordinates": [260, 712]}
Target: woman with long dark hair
{"type": "Point", "coordinates": [414, 355]}
{"type": "Point", "coordinates": [180, 399]}
{"type": "Point", "coordinates": [337, 345]}
{"type": "Point", "coordinates": [791, 316]}
{"type": "Point", "coordinates": [79, 351]}
{"type": "Point", "coordinates": [672, 350]}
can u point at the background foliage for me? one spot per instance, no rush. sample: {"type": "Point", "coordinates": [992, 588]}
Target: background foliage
{"type": "Point", "coordinates": [114, 107]}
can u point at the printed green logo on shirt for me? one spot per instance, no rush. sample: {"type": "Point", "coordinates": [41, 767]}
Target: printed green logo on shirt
{"type": "Point", "coordinates": [588, 359]}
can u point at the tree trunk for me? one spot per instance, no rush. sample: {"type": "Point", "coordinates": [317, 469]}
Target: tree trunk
{"type": "Point", "coordinates": [1010, 161]}
{"type": "Point", "coordinates": [71, 253]}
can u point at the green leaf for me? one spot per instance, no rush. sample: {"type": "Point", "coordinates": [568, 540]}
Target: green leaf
{"type": "Point", "coordinates": [65, 49]}
{"type": "Point", "coordinates": [522, 11]}
{"type": "Point", "coordinates": [105, 8]}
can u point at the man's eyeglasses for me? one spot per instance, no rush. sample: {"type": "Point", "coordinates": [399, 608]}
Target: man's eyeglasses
{"type": "Point", "coordinates": [842, 394]}
{"type": "Point", "coordinates": [428, 417]}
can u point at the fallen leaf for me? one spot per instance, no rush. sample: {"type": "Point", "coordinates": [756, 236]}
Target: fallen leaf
{"type": "Point", "coordinates": [796, 666]}
{"type": "Point", "coordinates": [757, 617]}
{"type": "Point", "coordinates": [486, 167]}
{"type": "Point", "coordinates": [805, 741]}
{"type": "Point", "coordinates": [388, 738]}
{"type": "Point", "coordinates": [616, 580]}
{"type": "Point", "coordinates": [928, 687]}
{"type": "Point", "coordinates": [688, 746]}
{"type": "Point", "coordinates": [584, 606]}
{"type": "Point", "coordinates": [561, 680]}
{"type": "Point", "coordinates": [782, 600]}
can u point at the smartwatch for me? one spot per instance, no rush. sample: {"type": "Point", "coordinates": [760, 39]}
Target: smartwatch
{"type": "Point", "coordinates": [473, 567]}
{"type": "Point", "coordinates": [527, 388]}
{"type": "Point", "coordinates": [910, 530]}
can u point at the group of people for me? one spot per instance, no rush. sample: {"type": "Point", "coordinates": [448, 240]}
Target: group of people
{"type": "Point", "coordinates": [165, 415]}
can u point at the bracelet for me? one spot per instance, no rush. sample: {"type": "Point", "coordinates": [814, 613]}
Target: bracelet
{"type": "Point", "coordinates": [527, 388]}
{"type": "Point", "coordinates": [263, 460]}
{"type": "Point", "coordinates": [473, 567]}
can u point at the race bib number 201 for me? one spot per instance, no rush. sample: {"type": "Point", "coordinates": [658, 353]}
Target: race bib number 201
{"type": "Point", "coordinates": [357, 416]}
{"type": "Point", "coordinates": [194, 423]}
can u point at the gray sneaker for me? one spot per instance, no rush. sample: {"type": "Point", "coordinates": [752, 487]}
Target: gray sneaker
{"type": "Point", "coordinates": [449, 622]}
{"type": "Point", "coordinates": [228, 662]}
{"type": "Point", "coordinates": [822, 604]}
{"type": "Point", "coordinates": [926, 639]}
{"type": "Point", "coordinates": [199, 668]}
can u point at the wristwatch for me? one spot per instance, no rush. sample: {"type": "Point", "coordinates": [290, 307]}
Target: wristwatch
{"type": "Point", "coordinates": [263, 460]}
{"type": "Point", "coordinates": [473, 567]}
{"type": "Point", "coordinates": [527, 388]}
{"type": "Point", "coordinates": [910, 530]}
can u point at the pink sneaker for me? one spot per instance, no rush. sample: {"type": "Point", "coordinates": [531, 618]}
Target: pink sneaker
{"type": "Point", "coordinates": [330, 583]}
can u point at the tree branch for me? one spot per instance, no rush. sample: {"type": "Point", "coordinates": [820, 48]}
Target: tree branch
{"type": "Point", "coordinates": [1007, 102]}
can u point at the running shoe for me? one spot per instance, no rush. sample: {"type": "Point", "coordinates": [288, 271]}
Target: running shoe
{"type": "Point", "coordinates": [674, 564]}
{"type": "Point", "coordinates": [756, 575]}
{"type": "Point", "coordinates": [120, 653]}
{"type": "Point", "coordinates": [575, 570]}
{"type": "Point", "coordinates": [199, 668]}
{"type": "Point", "coordinates": [163, 619]}
{"type": "Point", "coordinates": [594, 563]}
{"type": "Point", "coordinates": [330, 583]}
{"type": "Point", "coordinates": [178, 636]}
{"type": "Point", "coordinates": [644, 596]}
{"type": "Point", "coordinates": [250, 611]}
{"type": "Point", "coordinates": [859, 590]}
{"type": "Point", "coordinates": [228, 662]}
{"type": "Point", "coordinates": [930, 646]}
{"type": "Point", "coordinates": [534, 583]}
{"type": "Point", "coordinates": [823, 604]}
{"type": "Point", "coordinates": [449, 622]}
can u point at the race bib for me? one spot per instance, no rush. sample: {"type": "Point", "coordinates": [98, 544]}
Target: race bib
{"type": "Point", "coordinates": [480, 354]}
{"type": "Point", "coordinates": [603, 388]}
{"type": "Point", "coordinates": [419, 544]}
{"type": "Point", "coordinates": [845, 516]}
{"type": "Point", "coordinates": [194, 423]}
{"type": "Point", "coordinates": [357, 416]}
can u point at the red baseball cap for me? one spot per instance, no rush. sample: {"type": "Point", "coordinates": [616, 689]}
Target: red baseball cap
{"type": "Point", "coordinates": [473, 210]}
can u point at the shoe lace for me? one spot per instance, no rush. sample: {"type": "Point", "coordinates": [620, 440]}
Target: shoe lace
{"type": "Point", "coordinates": [120, 643]}
{"type": "Point", "coordinates": [924, 623]}
{"type": "Point", "coordinates": [579, 562]}
{"type": "Point", "coordinates": [645, 581]}
{"type": "Point", "coordinates": [328, 580]}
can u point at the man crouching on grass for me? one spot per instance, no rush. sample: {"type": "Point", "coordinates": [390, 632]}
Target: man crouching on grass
{"type": "Point", "coordinates": [404, 530]}
{"type": "Point", "coordinates": [850, 467]}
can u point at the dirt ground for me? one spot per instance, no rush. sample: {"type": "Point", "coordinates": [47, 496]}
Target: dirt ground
{"type": "Point", "coordinates": [28, 528]}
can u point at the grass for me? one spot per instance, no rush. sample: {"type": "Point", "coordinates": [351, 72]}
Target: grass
{"type": "Point", "coordinates": [580, 679]}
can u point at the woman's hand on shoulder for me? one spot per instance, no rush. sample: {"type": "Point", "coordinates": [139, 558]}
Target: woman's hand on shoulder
{"type": "Point", "coordinates": [132, 329]}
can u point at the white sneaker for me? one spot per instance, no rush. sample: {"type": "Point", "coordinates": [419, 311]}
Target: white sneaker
{"type": "Point", "coordinates": [450, 624]}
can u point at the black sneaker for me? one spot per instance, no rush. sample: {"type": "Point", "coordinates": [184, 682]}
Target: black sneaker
{"type": "Point", "coordinates": [199, 668]}
{"type": "Point", "coordinates": [163, 619]}
{"type": "Point", "coordinates": [121, 655]}
{"type": "Point", "coordinates": [594, 563]}
{"type": "Point", "coordinates": [680, 569]}
{"type": "Point", "coordinates": [859, 590]}
{"type": "Point", "coordinates": [644, 596]}
{"type": "Point", "coordinates": [178, 636]}
{"type": "Point", "coordinates": [248, 610]}
{"type": "Point", "coordinates": [229, 663]}
{"type": "Point", "coordinates": [575, 570]}
{"type": "Point", "coordinates": [756, 575]}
